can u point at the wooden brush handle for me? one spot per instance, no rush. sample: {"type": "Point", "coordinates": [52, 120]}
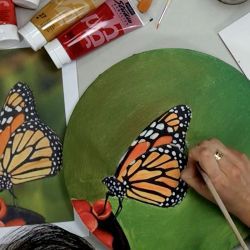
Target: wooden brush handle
{"type": "Point", "coordinates": [223, 208]}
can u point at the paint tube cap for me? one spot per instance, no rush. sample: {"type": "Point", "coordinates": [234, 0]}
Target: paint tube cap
{"type": "Point", "coordinates": [8, 36]}
{"type": "Point", "coordinates": [57, 53]}
{"type": "Point", "coordinates": [33, 36]}
{"type": "Point", "coordinates": [30, 4]}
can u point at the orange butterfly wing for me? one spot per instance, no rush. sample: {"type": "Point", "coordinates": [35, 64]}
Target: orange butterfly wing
{"type": "Point", "coordinates": [150, 170]}
{"type": "Point", "coordinates": [19, 107]}
{"type": "Point", "coordinates": [169, 128]}
{"type": "Point", "coordinates": [33, 152]}
{"type": "Point", "coordinates": [29, 149]}
{"type": "Point", "coordinates": [154, 177]}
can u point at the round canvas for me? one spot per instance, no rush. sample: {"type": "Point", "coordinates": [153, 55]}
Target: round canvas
{"type": "Point", "coordinates": [121, 103]}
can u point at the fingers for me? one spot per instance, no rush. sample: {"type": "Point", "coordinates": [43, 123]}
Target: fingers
{"type": "Point", "coordinates": [193, 178]}
{"type": "Point", "coordinates": [230, 174]}
{"type": "Point", "coordinates": [203, 154]}
{"type": "Point", "coordinates": [232, 161]}
{"type": "Point", "coordinates": [240, 160]}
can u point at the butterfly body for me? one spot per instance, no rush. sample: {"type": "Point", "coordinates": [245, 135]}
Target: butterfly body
{"type": "Point", "coordinates": [150, 170]}
{"type": "Point", "coordinates": [29, 149]}
{"type": "Point", "coordinates": [5, 181]}
{"type": "Point", "coordinates": [115, 187]}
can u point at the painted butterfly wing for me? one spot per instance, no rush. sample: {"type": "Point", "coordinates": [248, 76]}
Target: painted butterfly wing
{"type": "Point", "coordinates": [154, 177]}
{"type": "Point", "coordinates": [18, 108]}
{"type": "Point", "coordinates": [33, 152]}
{"type": "Point", "coordinates": [20, 101]}
{"type": "Point", "coordinates": [169, 128]}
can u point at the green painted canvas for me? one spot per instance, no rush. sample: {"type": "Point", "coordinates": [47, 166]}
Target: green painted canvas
{"type": "Point", "coordinates": [121, 103]}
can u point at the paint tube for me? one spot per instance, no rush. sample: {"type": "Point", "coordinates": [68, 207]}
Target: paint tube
{"type": "Point", "coordinates": [111, 20]}
{"type": "Point", "coordinates": [8, 29]}
{"type": "Point", "coordinates": [54, 18]}
{"type": "Point", "coordinates": [30, 4]}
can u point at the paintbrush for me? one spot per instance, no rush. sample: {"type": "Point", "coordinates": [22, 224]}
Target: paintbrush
{"type": "Point", "coordinates": [163, 13]}
{"type": "Point", "coordinates": [222, 208]}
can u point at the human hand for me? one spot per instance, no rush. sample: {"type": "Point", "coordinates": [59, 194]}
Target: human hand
{"type": "Point", "coordinates": [230, 175]}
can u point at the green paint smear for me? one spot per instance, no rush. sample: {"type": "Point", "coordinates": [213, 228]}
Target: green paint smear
{"type": "Point", "coordinates": [121, 103]}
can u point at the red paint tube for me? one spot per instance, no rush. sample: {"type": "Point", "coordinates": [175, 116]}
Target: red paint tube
{"type": "Point", "coordinates": [111, 20]}
{"type": "Point", "coordinates": [8, 29]}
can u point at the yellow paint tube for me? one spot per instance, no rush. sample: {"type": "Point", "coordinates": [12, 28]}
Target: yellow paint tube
{"type": "Point", "coordinates": [54, 18]}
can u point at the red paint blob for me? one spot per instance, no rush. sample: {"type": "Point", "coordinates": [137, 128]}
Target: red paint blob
{"type": "Point", "coordinates": [81, 206]}
{"type": "Point", "coordinates": [104, 237]}
{"type": "Point", "coordinates": [15, 222]}
{"type": "Point", "coordinates": [99, 211]}
{"type": "Point", "coordinates": [89, 220]}
{"type": "Point", "coordinates": [3, 209]}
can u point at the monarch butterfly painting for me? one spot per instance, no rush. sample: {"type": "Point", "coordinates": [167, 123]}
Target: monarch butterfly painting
{"type": "Point", "coordinates": [29, 149]}
{"type": "Point", "coordinates": [150, 170]}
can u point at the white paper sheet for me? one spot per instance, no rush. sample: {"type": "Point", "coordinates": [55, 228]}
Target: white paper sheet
{"type": "Point", "coordinates": [237, 39]}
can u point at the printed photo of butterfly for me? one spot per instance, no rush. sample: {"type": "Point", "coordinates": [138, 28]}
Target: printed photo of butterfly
{"type": "Point", "coordinates": [150, 170]}
{"type": "Point", "coordinates": [29, 149]}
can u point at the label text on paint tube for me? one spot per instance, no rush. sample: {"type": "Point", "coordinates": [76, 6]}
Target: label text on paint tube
{"type": "Point", "coordinates": [111, 20]}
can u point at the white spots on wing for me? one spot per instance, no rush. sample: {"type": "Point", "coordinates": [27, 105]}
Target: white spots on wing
{"type": "Point", "coordinates": [153, 125]}
{"type": "Point", "coordinates": [18, 109]}
{"type": "Point", "coordinates": [3, 121]}
{"type": "Point", "coordinates": [134, 143]}
{"type": "Point", "coordinates": [154, 136]}
{"type": "Point", "coordinates": [10, 119]}
{"type": "Point", "coordinates": [143, 133]}
{"type": "Point", "coordinates": [153, 149]}
{"type": "Point", "coordinates": [170, 130]}
{"type": "Point", "coordinates": [177, 135]}
{"type": "Point", "coordinates": [150, 132]}
{"type": "Point", "coordinates": [160, 126]}
{"type": "Point", "coordinates": [7, 109]}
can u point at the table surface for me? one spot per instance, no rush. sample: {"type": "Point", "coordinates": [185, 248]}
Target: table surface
{"type": "Point", "coordinates": [192, 24]}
